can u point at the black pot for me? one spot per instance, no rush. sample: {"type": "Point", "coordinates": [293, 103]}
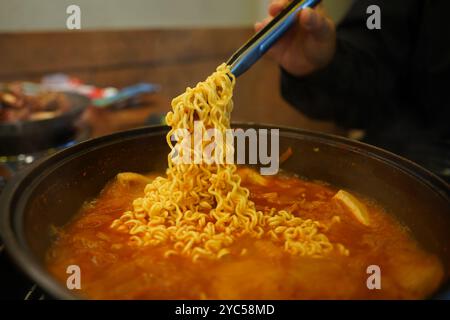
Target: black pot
{"type": "Point", "coordinates": [52, 191]}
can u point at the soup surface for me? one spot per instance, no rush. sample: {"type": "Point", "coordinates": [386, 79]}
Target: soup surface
{"type": "Point", "coordinates": [257, 269]}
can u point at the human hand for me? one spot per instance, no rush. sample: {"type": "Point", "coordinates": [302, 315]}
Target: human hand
{"type": "Point", "coordinates": [308, 46]}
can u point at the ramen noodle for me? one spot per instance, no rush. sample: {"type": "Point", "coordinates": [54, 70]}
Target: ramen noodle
{"type": "Point", "coordinates": [200, 210]}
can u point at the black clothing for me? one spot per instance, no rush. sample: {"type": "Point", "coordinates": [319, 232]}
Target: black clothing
{"type": "Point", "coordinates": [394, 82]}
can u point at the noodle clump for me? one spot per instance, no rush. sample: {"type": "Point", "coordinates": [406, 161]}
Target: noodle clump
{"type": "Point", "coordinates": [199, 210]}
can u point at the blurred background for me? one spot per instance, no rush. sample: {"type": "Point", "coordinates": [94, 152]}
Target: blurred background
{"type": "Point", "coordinates": [172, 43]}
{"type": "Point", "coordinates": [30, 15]}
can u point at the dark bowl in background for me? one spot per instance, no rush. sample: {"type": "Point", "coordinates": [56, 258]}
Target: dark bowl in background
{"type": "Point", "coordinates": [25, 137]}
{"type": "Point", "coordinates": [52, 191]}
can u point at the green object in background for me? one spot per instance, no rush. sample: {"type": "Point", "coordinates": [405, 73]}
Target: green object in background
{"type": "Point", "coordinates": [156, 119]}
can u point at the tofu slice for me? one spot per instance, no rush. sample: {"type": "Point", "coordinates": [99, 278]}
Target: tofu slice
{"type": "Point", "coordinates": [253, 177]}
{"type": "Point", "coordinates": [356, 207]}
{"type": "Point", "coordinates": [130, 178]}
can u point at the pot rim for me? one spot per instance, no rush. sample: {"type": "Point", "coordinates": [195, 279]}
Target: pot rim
{"type": "Point", "coordinates": [25, 260]}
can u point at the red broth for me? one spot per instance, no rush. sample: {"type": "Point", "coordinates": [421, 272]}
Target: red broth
{"type": "Point", "coordinates": [111, 269]}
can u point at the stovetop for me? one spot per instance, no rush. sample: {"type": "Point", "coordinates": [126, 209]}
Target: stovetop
{"type": "Point", "coordinates": [14, 285]}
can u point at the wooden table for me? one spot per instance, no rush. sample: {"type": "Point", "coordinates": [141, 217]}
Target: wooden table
{"type": "Point", "coordinates": [106, 121]}
{"type": "Point", "coordinates": [173, 58]}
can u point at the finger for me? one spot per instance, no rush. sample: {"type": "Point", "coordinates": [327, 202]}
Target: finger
{"type": "Point", "coordinates": [277, 51]}
{"type": "Point", "coordinates": [258, 26]}
{"type": "Point", "coordinates": [276, 7]}
{"type": "Point", "coordinates": [309, 19]}
{"type": "Point", "coordinates": [326, 28]}
{"type": "Point", "coordinates": [282, 2]}
{"type": "Point", "coordinates": [316, 23]}
{"type": "Point", "coordinates": [262, 24]}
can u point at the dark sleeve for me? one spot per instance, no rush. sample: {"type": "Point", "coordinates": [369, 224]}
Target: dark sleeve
{"type": "Point", "coordinates": [362, 77]}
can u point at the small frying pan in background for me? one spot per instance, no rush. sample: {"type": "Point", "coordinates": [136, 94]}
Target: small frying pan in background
{"type": "Point", "coordinates": [25, 137]}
